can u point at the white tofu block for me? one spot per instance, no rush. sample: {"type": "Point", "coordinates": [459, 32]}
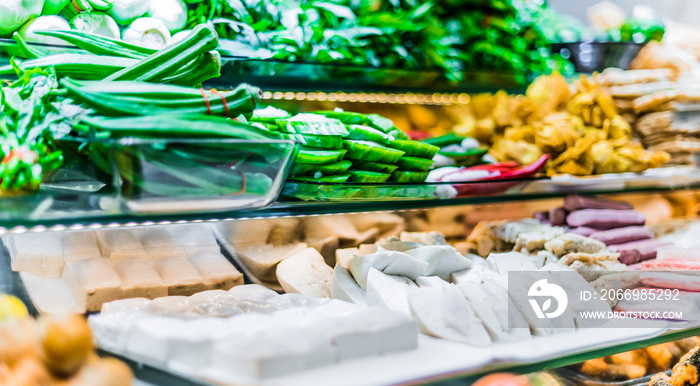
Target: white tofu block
{"type": "Point", "coordinates": [352, 339]}
{"type": "Point", "coordinates": [394, 331]}
{"type": "Point", "coordinates": [216, 270]}
{"type": "Point", "coordinates": [194, 237]}
{"type": "Point", "coordinates": [307, 273]}
{"type": "Point", "coordinates": [159, 242]}
{"type": "Point", "coordinates": [483, 307]}
{"type": "Point", "coordinates": [262, 260]}
{"type": "Point", "coordinates": [442, 260]}
{"type": "Point", "coordinates": [257, 357]}
{"type": "Point", "coordinates": [149, 338]}
{"type": "Point", "coordinates": [80, 245]}
{"type": "Point", "coordinates": [345, 288]}
{"type": "Point", "coordinates": [343, 256]}
{"type": "Point", "coordinates": [40, 254]}
{"type": "Point", "coordinates": [193, 346]}
{"type": "Point", "coordinates": [126, 305]}
{"type": "Point", "coordinates": [179, 275]}
{"type": "Point", "coordinates": [388, 291]}
{"type": "Point", "coordinates": [252, 292]}
{"type": "Point", "coordinates": [92, 282]}
{"type": "Point", "coordinates": [110, 330]}
{"type": "Point", "coordinates": [139, 279]}
{"type": "Point", "coordinates": [116, 244]}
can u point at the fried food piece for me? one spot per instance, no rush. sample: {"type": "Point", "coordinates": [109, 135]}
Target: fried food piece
{"type": "Point", "coordinates": [660, 379]}
{"type": "Point", "coordinates": [662, 356]}
{"type": "Point", "coordinates": [572, 243]}
{"type": "Point", "coordinates": [687, 371]}
{"type": "Point", "coordinates": [636, 357]}
{"type": "Point", "coordinates": [600, 369]}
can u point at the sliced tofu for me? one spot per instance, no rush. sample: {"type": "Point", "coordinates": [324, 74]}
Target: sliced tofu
{"type": "Point", "coordinates": [40, 254]}
{"type": "Point", "coordinates": [514, 323]}
{"type": "Point", "coordinates": [326, 247]}
{"type": "Point", "coordinates": [389, 262]}
{"type": "Point", "coordinates": [483, 308]}
{"type": "Point", "coordinates": [510, 261]}
{"type": "Point", "coordinates": [139, 279]}
{"type": "Point", "coordinates": [194, 237]}
{"type": "Point", "coordinates": [118, 244]}
{"type": "Point", "coordinates": [430, 282]}
{"type": "Point", "coordinates": [216, 270]}
{"type": "Point", "coordinates": [443, 312]}
{"type": "Point", "coordinates": [179, 275]}
{"type": "Point", "coordinates": [388, 291]}
{"type": "Point", "coordinates": [345, 288]}
{"type": "Point", "coordinates": [262, 260]}
{"type": "Point", "coordinates": [344, 256]}
{"type": "Point", "coordinates": [306, 273]}
{"type": "Point", "coordinates": [92, 282]}
{"type": "Point", "coordinates": [159, 242]}
{"type": "Point", "coordinates": [80, 245]}
{"type": "Point", "coordinates": [442, 260]}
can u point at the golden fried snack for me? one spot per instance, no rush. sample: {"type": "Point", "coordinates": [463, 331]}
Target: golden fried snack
{"type": "Point", "coordinates": [635, 357]}
{"type": "Point", "coordinates": [687, 344]}
{"type": "Point", "coordinates": [662, 356]}
{"type": "Point", "coordinates": [687, 371]}
{"type": "Point", "coordinates": [660, 379]}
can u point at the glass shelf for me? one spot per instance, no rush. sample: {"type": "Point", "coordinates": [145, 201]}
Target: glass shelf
{"type": "Point", "coordinates": [275, 76]}
{"type": "Point", "coordinates": [58, 209]}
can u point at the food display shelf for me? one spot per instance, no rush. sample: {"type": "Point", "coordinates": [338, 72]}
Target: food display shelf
{"type": "Point", "coordinates": [58, 209]}
{"type": "Point", "coordinates": [293, 77]}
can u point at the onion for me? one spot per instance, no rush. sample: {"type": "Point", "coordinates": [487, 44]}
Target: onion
{"type": "Point", "coordinates": [14, 13]}
{"type": "Point", "coordinates": [147, 32]}
{"type": "Point", "coordinates": [173, 13]}
{"type": "Point", "coordinates": [97, 23]}
{"type": "Point", "coordinates": [126, 11]}
{"type": "Point", "coordinates": [43, 23]}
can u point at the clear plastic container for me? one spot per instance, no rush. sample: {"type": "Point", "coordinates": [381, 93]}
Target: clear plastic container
{"type": "Point", "coordinates": [190, 175]}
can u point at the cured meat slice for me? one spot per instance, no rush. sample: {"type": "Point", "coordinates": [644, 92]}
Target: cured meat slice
{"type": "Point", "coordinates": [605, 218]}
{"type": "Point", "coordinates": [623, 235]}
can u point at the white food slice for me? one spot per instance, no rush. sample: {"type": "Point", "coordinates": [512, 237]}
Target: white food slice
{"type": "Point", "coordinates": [262, 260]}
{"type": "Point", "coordinates": [430, 282]}
{"type": "Point", "coordinates": [483, 307]}
{"type": "Point", "coordinates": [80, 245]}
{"type": "Point", "coordinates": [139, 279]}
{"type": "Point", "coordinates": [394, 331]}
{"type": "Point", "coordinates": [92, 282]}
{"type": "Point", "coordinates": [306, 273]}
{"type": "Point", "coordinates": [442, 313]}
{"type": "Point", "coordinates": [345, 288]}
{"type": "Point", "coordinates": [39, 254]}
{"type": "Point", "coordinates": [110, 330]}
{"type": "Point", "coordinates": [172, 305]}
{"type": "Point", "coordinates": [390, 262]}
{"type": "Point", "coordinates": [179, 275]}
{"type": "Point", "coordinates": [118, 244]}
{"type": "Point", "coordinates": [442, 260]}
{"type": "Point", "coordinates": [388, 291]}
{"type": "Point", "coordinates": [343, 256]}
{"type": "Point", "coordinates": [252, 292]}
{"type": "Point", "coordinates": [149, 339]}
{"type": "Point", "coordinates": [216, 270]}
{"type": "Point", "coordinates": [510, 261]}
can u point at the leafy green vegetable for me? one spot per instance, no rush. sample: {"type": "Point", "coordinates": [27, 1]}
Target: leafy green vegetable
{"type": "Point", "coordinates": [30, 119]}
